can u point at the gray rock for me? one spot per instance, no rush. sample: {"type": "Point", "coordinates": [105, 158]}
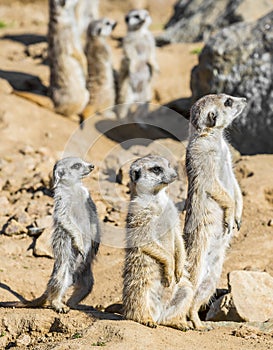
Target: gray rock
{"type": "Point", "coordinates": [42, 246]}
{"type": "Point", "coordinates": [239, 61]}
{"type": "Point", "coordinates": [14, 228]}
{"type": "Point", "coordinates": [250, 299]}
{"type": "Point", "coordinates": [195, 20]}
{"type": "Point", "coordinates": [252, 294]}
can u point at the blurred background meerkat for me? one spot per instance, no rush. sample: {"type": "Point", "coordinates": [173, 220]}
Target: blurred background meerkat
{"type": "Point", "coordinates": [86, 11]}
{"type": "Point", "coordinates": [100, 80]}
{"type": "Point", "coordinates": [67, 61]}
{"type": "Point", "coordinates": [138, 64]}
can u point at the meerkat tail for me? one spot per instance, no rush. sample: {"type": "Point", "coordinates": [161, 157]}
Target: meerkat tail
{"type": "Point", "coordinates": [38, 302]}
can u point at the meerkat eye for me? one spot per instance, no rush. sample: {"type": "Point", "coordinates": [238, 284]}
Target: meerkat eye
{"type": "Point", "coordinates": [137, 16]}
{"type": "Point", "coordinates": [156, 170]}
{"type": "Point", "coordinates": [76, 166]}
{"type": "Point", "coordinates": [108, 23]}
{"type": "Point", "coordinates": [228, 102]}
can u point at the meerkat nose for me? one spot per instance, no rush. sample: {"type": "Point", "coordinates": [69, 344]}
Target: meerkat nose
{"type": "Point", "coordinates": [91, 166]}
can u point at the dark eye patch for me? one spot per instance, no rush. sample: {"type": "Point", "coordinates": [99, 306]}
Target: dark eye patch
{"type": "Point", "coordinates": [228, 102]}
{"type": "Point", "coordinates": [137, 16]}
{"type": "Point", "coordinates": [156, 170]}
{"type": "Point", "coordinates": [76, 166]}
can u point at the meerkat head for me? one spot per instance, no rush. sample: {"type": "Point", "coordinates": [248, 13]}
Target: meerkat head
{"type": "Point", "coordinates": [136, 19]}
{"type": "Point", "coordinates": [151, 174]}
{"type": "Point", "coordinates": [101, 27]}
{"type": "Point", "coordinates": [70, 170]}
{"type": "Point", "coordinates": [216, 111]}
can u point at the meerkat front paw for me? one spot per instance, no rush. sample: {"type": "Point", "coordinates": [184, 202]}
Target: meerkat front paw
{"type": "Point", "coordinates": [178, 273]}
{"type": "Point", "coordinates": [167, 278]}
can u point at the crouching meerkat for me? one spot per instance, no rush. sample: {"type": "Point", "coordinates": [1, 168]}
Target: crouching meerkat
{"type": "Point", "coordinates": [214, 201]}
{"type": "Point", "coordinates": [100, 79]}
{"type": "Point", "coordinates": [67, 61]}
{"type": "Point", "coordinates": [75, 239]}
{"type": "Point", "coordinates": [138, 64]}
{"type": "Point", "coordinates": [156, 288]}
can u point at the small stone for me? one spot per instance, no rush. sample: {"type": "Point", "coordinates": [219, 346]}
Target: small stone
{"type": "Point", "coordinates": [42, 247]}
{"type": "Point", "coordinates": [23, 340]}
{"type": "Point", "coordinates": [27, 149]}
{"type": "Point", "coordinates": [23, 218]}
{"type": "Point", "coordinates": [38, 50]}
{"type": "Point", "coordinates": [44, 222]}
{"type": "Point", "coordinates": [13, 227]}
{"type": "Point", "coordinates": [270, 222]}
{"type": "Point", "coordinates": [5, 206]}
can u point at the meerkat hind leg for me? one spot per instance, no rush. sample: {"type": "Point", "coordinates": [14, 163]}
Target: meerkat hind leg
{"type": "Point", "coordinates": [202, 295]}
{"type": "Point", "coordinates": [176, 314]}
{"type": "Point", "coordinates": [59, 282]}
{"type": "Point", "coordinates": [83, 284]}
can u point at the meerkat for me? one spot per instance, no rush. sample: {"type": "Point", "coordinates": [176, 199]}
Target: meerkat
{"type": "Point", "coordinates": [86, 11]}
{"type": "Point", "coordinates": [100, 79]}
{"type": "Point", "coordinates": [156, 288]}
{"type": "Point", "coordinates": [67, 60]}
{"type": "Point", "coordinates": [138, 64]}
{"type": "Point", "coordinates": [75, 238]}
{"type": "Point", "coordinates": [214, 201]}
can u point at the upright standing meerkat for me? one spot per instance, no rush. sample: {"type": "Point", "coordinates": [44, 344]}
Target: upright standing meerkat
{"type": "Point", "coordinates": [67, 61]}
{"type": "Point", "coordinates": [75, 239]}
{"type": "Point", "coordinates": [100, 79]}
{"type": "Point", "coordinates": [138, 64]}
{"type": "Point", "coordinates": [156, 288]}
{"type": "Point", "coordinates": [86, 11]}
{"type": "Point", "coordinates": [214, 201]}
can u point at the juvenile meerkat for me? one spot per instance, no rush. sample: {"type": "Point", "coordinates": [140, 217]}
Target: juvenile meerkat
{"type": "Point", "coordinates": [67, 61]}
{"type": "Point", "coordinates": [214, 201]}
{"type": "Point", "coordinates": [138, 64]}
{"type": "Point", "coordinates": [100, 78]}
{"type": "Point", "coordinates": [75, 239]}
{"type": "Point", "coordinates": [156, 288]}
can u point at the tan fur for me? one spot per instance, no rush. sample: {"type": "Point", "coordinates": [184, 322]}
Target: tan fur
{"type": "Point", "coordinates": [156, 288]}
{"type": "Point", "coordinates": [67, 61]}
{"type": "Point", "coordinates": [214, 201]}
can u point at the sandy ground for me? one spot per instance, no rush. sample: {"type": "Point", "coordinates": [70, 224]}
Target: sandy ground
{"type": "Point", "coordinates": [29, 130]}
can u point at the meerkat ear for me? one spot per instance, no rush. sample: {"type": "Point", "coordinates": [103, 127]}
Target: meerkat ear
{"type": "Point", "coordinates": [57, 175]}
{"type": "Point", "coordinates": [135, 174]}
{"type": "Point", "coordinates": [211, 119]}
